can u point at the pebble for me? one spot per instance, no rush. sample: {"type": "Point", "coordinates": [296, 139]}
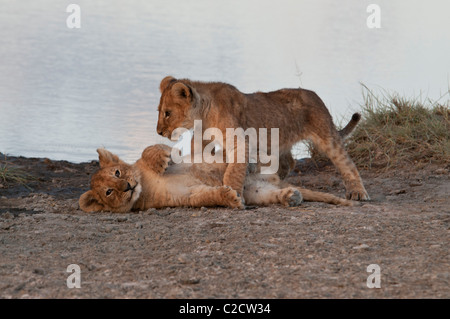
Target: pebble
{"type": "Point", "coordinates": [441, 171]}
{"type": "Point", "coordinates": [416, 183]}
{"type": "Point", "coordinates": [319, 242]}
{"type": "Point", "coordinates": [398, 191]}
{"type": "Point", "coordinates": [192, 281]}
{"type": "Point", "coordinates": [121, 219]}
{"type": "Point", "coordinates": [183, 258]}
{"type": "Point", "coordinates": [6, 226]}
{"type": "Point", "coordinates": [362, 246]}
{"type": "Point", "coordinates": [64, 255]}
{"type": "Point", "coordinates": [108, 229]}
{"type": "Point", "coordinates": [39, 271]}
{"type": "Point", "coordinates": [7, 215]}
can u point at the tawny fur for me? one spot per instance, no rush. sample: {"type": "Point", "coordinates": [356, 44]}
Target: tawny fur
{"type": "Point", "coordinates": [299, 114]}
{"type": "Point", "coordinates": [152, 183]}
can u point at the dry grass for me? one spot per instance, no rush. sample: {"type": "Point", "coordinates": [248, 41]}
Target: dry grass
{"type": "Point", "coordinates": [397, 132]}
{"type": "Point", "coordinates": [12, 174]}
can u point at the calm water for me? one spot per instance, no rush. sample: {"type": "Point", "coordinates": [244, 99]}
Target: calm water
{"type": "Point", "coordinates": [65, 92]}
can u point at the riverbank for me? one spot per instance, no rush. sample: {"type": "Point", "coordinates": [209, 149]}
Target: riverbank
{"type": "Point", "coordinates": [311, 251]}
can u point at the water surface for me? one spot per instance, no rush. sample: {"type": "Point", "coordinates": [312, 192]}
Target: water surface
{"type": "Point", "coordinates": [65, 92]}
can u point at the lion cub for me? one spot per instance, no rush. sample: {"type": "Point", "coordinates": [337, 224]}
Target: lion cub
{"type": "Point", "coordinates": [298, 114]}
{"type": "Point", "coordinates": [152, 183]}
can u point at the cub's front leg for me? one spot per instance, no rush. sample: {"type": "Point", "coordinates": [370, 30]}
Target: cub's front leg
{"type": "Point", "coordinates": [157, 157]}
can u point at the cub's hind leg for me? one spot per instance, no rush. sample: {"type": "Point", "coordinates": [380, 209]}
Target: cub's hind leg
{"type": "Point", "coordinates": [215, 196]}
{"type": "Point", "coordinates": [263, 192]}
{"type": "Point", "coordinates": [286, 164]}
{"type": "Point", "coordinates": [313, 196]}
{"type": "Point", "coordinates": [331, 144]}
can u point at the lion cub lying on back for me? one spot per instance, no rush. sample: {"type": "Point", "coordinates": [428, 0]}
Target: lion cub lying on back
{"type": "Point", "coordinates": [152, 183]}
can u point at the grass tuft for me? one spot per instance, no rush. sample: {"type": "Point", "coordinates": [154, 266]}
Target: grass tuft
{"type": "Point", "coordinates": [397, 131]}
{"type": "Point", "coordinates": [12, 174]}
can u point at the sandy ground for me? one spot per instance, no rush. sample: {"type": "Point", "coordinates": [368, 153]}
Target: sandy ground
{"type": "Point", "coordinates": [311, 251]}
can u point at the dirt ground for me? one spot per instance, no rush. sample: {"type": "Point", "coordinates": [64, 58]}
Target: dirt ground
{"type": "Point", "coordinates": [311, 251]}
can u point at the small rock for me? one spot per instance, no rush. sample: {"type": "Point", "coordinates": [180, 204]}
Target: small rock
{"type": "Point", "coordinates": [164, 213]}
{"type": "Point", "coordinates": [441, 171]}
{"type": "Point", "coordinates": [108, 229]}
{"type": "Point", "coordinates": [398, 191]}
{"type": "Point", "coordinates": [203, 209]}
{"type": "Point", "coordinates": [8, 215]}
{"type": "Point", "coordinates": [39, 271]}
{"type": "Point", "coordinates": [91, 267]}
{"type": "Point", "coordinates": [183, 258]}
{"type": "Point", "coordinates": [121, 219]}
{"type": "Point", "coordinates": [362, 246]}
{"type": "Point", "coordinates": [319, 242]}
{"type": "Point", "coordinates": [6, 226]}
{"type": "Point", "coordinates": [415, 183]}
{"type": "Point", "coordinates": [139, 225]}
{"type": "Point", "coordinates": [190, 281]}
{"type": "Point", "coordinates": [435, 246]}
{"type": "Point", "coordinates": [20, 286]}
{"type": "Point", "coordinates": [64, 255]}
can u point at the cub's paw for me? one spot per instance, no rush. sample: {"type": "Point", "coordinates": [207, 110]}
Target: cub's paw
{"type": "Point", "coordinates": [232, 198]}
{"type": "Point", "coordinates": [157, 157]}
{"type": "Point", "coordinates": [290, 197]}
{"type": "Point", "coordinates": [356, 191]}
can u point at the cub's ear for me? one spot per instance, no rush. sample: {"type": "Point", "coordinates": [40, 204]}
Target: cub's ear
{"type": "Point", "coordinates": [106, 158]}
{"type": "Point", "coordinates": [89, 203]}
{"type": "Point", "coordinates": [182, 91]}
{"type": "Point", "coordinates": [165, 83]}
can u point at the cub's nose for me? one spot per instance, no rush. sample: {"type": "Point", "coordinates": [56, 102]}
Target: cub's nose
{"type": "Point", "coordinates": [129, 188]}
{"type": "Point", "coordinates": [160, 132]}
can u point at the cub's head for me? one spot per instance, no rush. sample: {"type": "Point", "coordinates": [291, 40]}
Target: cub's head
{"type": "Point", "coordinates": [176, 101]}
{"type": "Point", "coordinates": [115, 187]}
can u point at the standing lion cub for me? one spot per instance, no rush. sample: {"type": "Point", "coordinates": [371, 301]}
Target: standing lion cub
{"type": "Point", "coordinates": [298, 114]}
{"type": "Point", "coordinates": [152, 183]}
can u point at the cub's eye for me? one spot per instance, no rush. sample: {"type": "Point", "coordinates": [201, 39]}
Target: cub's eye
{"type": "Point", "coordinates": [108, 192]}
{"type": "Point", "coordinates": [167, 114]}
{"type": "Point", "coordinates": [117, 173]}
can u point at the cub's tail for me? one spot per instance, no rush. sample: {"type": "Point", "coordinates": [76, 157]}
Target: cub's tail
{"type": "Point", "coordinates": [348, 129]}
